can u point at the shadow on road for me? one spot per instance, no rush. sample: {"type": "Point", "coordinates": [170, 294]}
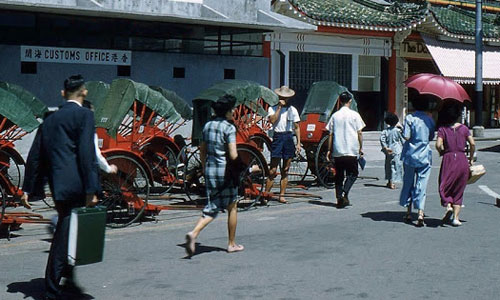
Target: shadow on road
{"type": "Point", "coordinates": [322, 203]}
{"type": "Point", "coordinates": [200, 249]}
{"type": "Point", "coordinates": [376, 185]}
{"type": "Point", "coordinates": [397, 216]}
{"type": "Point", "coordinates": [35, 289]}
{"type": "Point", "coordinates": [491, 149]}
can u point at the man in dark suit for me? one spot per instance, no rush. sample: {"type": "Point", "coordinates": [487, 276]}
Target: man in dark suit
{"type": "Point", "coordinates": [63, 153]}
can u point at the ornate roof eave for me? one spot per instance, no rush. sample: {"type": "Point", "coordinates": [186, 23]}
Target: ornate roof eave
{"type": "Point", "coordinates": [432, 25]}
{"type": "Point", "coordinates": [290, 10]}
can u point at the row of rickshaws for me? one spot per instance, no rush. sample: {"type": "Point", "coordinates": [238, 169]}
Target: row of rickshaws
{"type": "Point", "coordinates": [139, 130]}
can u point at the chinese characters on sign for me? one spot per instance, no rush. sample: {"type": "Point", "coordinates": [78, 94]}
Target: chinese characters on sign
{"type": "Point", "coordinates": [76, 56]}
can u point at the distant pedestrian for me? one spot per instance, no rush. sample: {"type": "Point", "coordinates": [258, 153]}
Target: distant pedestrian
{"type": "Point", "coordinates": [64, 153]}
{"type": "Point", "coordinates": [418, 131]}
{"type": "Point", "coordinates": [217, 146]}
{"type": "Point", "coordinates": [346, 137]}
{"type": "Point", "coordinates": [392, 141]}
{"type": "Point", "coordinates": [451, 142]}
{"type": "Point", "coordinates": [285, 120]}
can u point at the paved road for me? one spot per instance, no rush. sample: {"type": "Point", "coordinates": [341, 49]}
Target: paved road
{"type": "Point", "coordinates": [304, 250]}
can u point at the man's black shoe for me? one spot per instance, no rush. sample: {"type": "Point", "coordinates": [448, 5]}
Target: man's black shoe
{"type": "Point", "coordinates": [340, 203]}
{"type": "Point", "coordinates": [72, 288]}
{"type": "Point", "coordinates": [345, 200]}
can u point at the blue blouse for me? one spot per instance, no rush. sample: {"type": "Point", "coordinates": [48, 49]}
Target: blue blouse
{"type": "Point", "coordinates": [418, 132]}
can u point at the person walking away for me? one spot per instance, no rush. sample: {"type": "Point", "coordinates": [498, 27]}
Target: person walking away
{"type": "Point", "coordinates": [63, 152]}
{"type": "Point", "coordinates": [416, 155]}
{"type": "Point", "coordinates": [391, 140]}
{"type": "Point", "coordinates": [345, 127]}
{"type": "Point", "coordinates": [454, 173]}
{"type": "Point", "coordinates": [217, 146]}
{"type": "Point", "coordinates": [285, 120]}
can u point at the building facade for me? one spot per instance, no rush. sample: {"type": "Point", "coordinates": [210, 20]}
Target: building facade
{"type": "Point", "coordinates": [182, 45]}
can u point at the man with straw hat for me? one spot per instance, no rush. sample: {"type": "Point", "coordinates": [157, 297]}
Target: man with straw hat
{"type": "Point", "coordinates": [285, 120]}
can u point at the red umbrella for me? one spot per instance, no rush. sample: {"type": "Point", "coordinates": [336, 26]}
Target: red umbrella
{"type": "Point", "coordinates": [437, 85]}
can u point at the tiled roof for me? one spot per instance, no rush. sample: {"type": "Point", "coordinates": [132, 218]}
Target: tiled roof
{"type": "Point", "coordinates": [462, 22]}
{"type": "Point", "coordinates": [361, 14]}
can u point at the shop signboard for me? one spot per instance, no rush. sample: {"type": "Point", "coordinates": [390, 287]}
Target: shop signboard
{"type": "Point", "coordinates": [76, 56]}
{"type": "Point", "coordinates": [414, 49]}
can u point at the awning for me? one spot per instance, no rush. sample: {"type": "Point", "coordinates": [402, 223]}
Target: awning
{"type": "Point", "coordinates": [457, 61]}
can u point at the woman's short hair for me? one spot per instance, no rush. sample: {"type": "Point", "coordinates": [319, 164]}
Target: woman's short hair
{"type": "Point", "coordinates": [223, 105]}
{"type": "Point", "coordinates": [391, 119]}
{"type": "Point", "coordinates": [450, 112]}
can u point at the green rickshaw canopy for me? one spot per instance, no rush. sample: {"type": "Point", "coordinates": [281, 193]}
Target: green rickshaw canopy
{"type": "Point", "coordinates": [98, 90]}
{"type": "Point", "coordinates": [16, 111]}
{"type": "Point", "coordinates": [246, 92]}
{"type": "Point", "coordinates": [119, 100]}
{"type": "Point", "coordinates": [35, 105]}
{"type": "Point", "coordinates": [322, 99]}
{"type": "Point", "coordinates": [180, 104]}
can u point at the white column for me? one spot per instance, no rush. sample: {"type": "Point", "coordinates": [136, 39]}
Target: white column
{"type": "Point", "coordinates": [354, 72]}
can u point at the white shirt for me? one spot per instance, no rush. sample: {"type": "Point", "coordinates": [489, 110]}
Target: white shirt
{"type": "Point", "coordinates": [103, 163]}
{"type": "Point", "coordinates": [345, 124]}
{"type": "Point", "coordinates": [288, 116]}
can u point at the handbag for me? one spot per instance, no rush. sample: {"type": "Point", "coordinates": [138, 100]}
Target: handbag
{"type": "Point", "coordinates": [475, 172]}
{"type": "Point", "coordinates": [234, 172]}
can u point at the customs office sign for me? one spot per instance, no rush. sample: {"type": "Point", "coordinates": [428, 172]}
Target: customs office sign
{"type": "Point", "coordinates": [76, 56]}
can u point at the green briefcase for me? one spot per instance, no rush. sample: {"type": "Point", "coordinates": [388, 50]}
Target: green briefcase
{"type": "Point", "coordinates": [86, 235]}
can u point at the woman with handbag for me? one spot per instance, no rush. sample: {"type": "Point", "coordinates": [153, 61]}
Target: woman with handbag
{"type": "Point", "coordinates": [217, 147]}
{"type": "Point", "coordinates": [454, 173]}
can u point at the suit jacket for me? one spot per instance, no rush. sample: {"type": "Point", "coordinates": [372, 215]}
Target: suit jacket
{"type": "Point", "coordinates": [63, 153]}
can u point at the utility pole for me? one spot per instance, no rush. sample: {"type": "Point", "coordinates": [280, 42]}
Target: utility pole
{"type": "Point", "coordinates": [478, 129]}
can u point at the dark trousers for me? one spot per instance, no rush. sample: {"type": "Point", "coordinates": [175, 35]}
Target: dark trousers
{"type": "Point", "coordinates": [346, 167]}
{"type": "Point", "coordinates": [57, 264]}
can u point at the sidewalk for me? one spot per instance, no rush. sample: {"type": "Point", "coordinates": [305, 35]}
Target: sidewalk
{"type": "Point", "coordinates": [490, 134]}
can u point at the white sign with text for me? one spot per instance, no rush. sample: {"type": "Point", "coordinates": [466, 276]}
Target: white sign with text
{"type": "Point", "coordinates": [76, 56]}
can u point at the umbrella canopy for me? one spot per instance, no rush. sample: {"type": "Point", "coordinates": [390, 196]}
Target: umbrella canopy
{"type": "Point", "coordinates": [437, 85]}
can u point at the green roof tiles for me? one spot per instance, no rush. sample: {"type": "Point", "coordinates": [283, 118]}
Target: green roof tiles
{"type": "Point", "coordinates": [362, 12]}
{"type": "Point", "coordinates": [462, 21]}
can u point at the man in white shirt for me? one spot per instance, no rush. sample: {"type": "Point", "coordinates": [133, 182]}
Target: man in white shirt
{"type": "Point", "coordinates": [285, 120]}
{"type": "Point", "coordinates": [345, 127]}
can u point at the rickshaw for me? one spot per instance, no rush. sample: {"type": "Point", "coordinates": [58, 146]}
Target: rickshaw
{"type": "Point", "coordinates": [320, 104]}
{"type": "Point", "coordinates": [127, 117]}
{"type": "Point", "coordinates": [251, 105]}
{"type": "Point", "coordinates": [18, 117]}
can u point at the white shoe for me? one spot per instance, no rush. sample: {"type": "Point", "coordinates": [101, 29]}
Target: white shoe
{"type": "Point", "coordinates": [456, 222]}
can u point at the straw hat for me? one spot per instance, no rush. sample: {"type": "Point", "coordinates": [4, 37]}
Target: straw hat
{"type": "Point", "coordinates": [285, 92]}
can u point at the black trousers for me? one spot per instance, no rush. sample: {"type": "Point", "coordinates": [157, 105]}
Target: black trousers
{"type": "Point", "coordinates": [57, 264]}
{"type": "Point", "coordinates": [346, 167]}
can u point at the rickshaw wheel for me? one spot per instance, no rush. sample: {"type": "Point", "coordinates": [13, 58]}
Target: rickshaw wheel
{"type": "Point", "coordinates": [193, 178]}
{"type": "Point", "coordinates": [263, 145]}
{"type": "Point", "coordinates": [252, 183]}
{"type": "Point", "coordinates": [3, 201]}
{"type": "Point", "coordinates": [12, 172]}
{"type": "Point", "coordinates": [125, 194]}
{"type": "Point", "coordinates": [169, 163]}
{"type": "Point", "coordinates": [298, 167]}
{"type": "Point", "coordinates": [325, 170]}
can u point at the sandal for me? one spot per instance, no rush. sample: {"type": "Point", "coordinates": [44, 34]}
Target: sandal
{"type": "Point", "coordinates": [447, 215]}
{"type": "Point", "coordinates": [281, 199]}
{"type": "Point", "coordinates": [407, 218]}
{"type": "Point", "coordinates": [420, 221]}
{"type": "Point", "coordinates": [190, 244]}
{"type": "Point", "coordinates": [235, 248]}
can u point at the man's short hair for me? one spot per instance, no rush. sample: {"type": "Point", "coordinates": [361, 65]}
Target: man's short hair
{"type": "Point", "coordinates": [344, 98]}
{"type": "Point", "coordinates": [73, 83]}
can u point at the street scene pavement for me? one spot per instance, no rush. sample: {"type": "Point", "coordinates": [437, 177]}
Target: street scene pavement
{"type": "Point", "coordinates": [307, 249]}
